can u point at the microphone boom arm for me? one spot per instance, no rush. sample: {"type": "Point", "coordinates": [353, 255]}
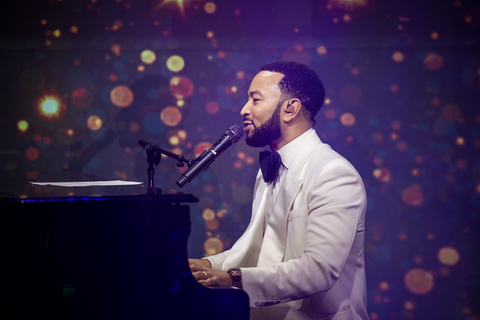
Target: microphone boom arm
{"type": "Point", "coordinates": [154, 155]}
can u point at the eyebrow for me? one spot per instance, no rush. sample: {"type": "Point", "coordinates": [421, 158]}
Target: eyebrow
{"type": "Point", "coordinates": [251, 93]}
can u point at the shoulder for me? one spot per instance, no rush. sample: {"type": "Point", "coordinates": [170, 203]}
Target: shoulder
{"type": "Point", "coordinates": [324, 159]}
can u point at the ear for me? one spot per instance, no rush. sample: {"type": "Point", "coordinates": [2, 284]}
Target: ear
{"type": "Point", "coordinates": [292, 108]}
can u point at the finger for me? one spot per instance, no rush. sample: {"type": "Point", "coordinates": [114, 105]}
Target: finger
{"type": "Point", "coordinates": [198, 275]}
{"type": "Point", "coordinates": [195, 267]}
{"type": "Point", "coordinates": [210, 282]}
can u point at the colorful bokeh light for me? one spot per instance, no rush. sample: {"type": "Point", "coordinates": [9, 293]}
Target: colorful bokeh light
{"type": "Point", "coordinates": [32, 153]}
{"type": "Point", "coordinates": [448, 256]}
{"type": "Point", "coordinates": [213, 246]}
{"type": "Point", "coordinates": [202, 146]}
{"type": "Point", "coordinates": [412, 196]}
{"type": "Point", "coordinates": [398, 56]}
{"type": "Point", "coordinates": [81, 98]}
{"type": "Point", "coordinates": [50, 107]}
{"type": "Point", "coordinates": [210, 7]}
{"type": "Point", "coordinates": [148, 56]}
{"type": "Point", "coordinates": [208, 214]}
{"type": "Point", "coordinates": [171, 116]}
{"type": "Point", "coordinates": [419, 281]}
{"type": "Point", "coordinates": [382, 174]}
{"type": "Point", "coordinates": [94, 122]}
{"type": "Point", "coordinates": [121, 96]}
{"type": "Point", "coordinates": [433, 61]}
{"type": "Point", "coordinates": [347, 119]}
{"type": "Point", "coordinates": [22, 125]}
{"type": "Point", "coordinates": [181, 87]}
{"type": "Point", "coordinates": [212, 107]}
{"type": "Point", "coordinates": [175, 63]}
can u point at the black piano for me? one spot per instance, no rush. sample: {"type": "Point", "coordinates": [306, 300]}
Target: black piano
{"type": "Point", "coordinates": [100, 252]}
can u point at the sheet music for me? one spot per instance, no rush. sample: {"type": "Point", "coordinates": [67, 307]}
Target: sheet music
{"type": "Point", "coordinates": [88, 183]}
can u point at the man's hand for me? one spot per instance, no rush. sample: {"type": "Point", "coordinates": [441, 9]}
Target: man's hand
{"type": "Point", "coordinates": [207, 276]}
{"type": "Point", "coordinates": [200, 262]}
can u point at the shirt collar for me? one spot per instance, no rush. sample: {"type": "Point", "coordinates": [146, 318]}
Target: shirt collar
{"type": "Point", "coordinates": [290, 150]}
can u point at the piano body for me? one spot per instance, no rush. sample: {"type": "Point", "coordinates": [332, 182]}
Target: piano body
{"type": "Point", "coordinates": [114, 252]}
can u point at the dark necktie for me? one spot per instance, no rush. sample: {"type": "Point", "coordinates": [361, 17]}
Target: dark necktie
{"type": "Point", "coordinates": [269, 164]}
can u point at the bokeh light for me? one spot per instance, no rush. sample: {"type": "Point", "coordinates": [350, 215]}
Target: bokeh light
{"type": "Point", "coordinates": [171, 116]}
{"type": "Point", "coordinates": [50, 106]}
{"type": "Point", "coordinates": [347, 119]}
{"type": "Point", "coordinates": [148, 56]}
{"type": "Point", "coordinates": [181, 87]}
{"type": "Point", "coordinates": [382, 174]}
{"type": "Point", "coordinates": [116, 25]}
{"type": "Point", "coordinates": [74, 29]}
{"type": "Point", "coordinates": [448, 256]}
{"type": "Point", "coordinates": [210, 7]}
{"type": "Point", "coordinates": [348, 4]}
{"type": "Point", "coordinates": [398, 56]}
{"type": "Point", "coordinates": [94, 122]}
{"type": "Point", "coordinates": [22, 125]}
{"type": "Point", "coordinates": [116, 49]}
{"type": "Point", "coordinates": [175, 63]}
{"type": "Point", "coordinates": [208, 214]}
{"type": "Point", "coordinates": [419, 281]}
{"type": "Point", "coordinates": [409, 305]}
{"type": "Point", "coordinates": [212, 107]}
{"type": "Point", "coordinates": [213, 246]}
{"type": "Point", "coordinates": [81, 98]}
{"type": "Point", "coordinates": [212, 224]}
{"type": "Point", "coordinates": [32, 153]}
{"type": "Point", "coordinates": [433, 61]}
{"type": "Point", "coordinates": [202, 146]}
{"type": "Point", "coordinates": [121, 96]}
{"type": "Point", "coordinates": [412, 196]}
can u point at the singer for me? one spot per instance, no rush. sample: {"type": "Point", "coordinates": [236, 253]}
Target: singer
{"type": "Point", "coordinates": [302, 255]}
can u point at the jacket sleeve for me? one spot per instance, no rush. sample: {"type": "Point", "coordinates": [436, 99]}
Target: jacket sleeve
{"type": "Point", "coordinates": [217, 259]}
{"type": "Point", "coordinates": [336, 206]}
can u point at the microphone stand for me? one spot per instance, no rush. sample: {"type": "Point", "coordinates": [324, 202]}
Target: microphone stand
{"type": "Point", "coordinates": [154, 155]}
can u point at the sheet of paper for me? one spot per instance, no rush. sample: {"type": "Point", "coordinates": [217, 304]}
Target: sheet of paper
{"type": "Point", "coordinates": [88, 183]}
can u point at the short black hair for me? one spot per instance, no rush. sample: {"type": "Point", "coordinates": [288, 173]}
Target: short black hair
{"type": "Point", "coordinates": [299, 82]}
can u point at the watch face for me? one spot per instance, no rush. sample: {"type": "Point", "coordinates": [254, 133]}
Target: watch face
{"type": "Point", "coordinates": [235, 270]}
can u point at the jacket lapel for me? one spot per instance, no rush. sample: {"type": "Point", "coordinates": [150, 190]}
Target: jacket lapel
{"type": "Point", "coordinates": [275, 238]}
{"type": "Point", "coordinates": [246, 250]}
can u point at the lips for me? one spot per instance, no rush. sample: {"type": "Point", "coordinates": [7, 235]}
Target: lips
{"type": "Point", "coordinates": [247, 125]}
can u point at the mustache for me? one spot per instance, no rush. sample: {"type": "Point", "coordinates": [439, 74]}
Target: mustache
{"type": "Point", "coordinates": [249, 120]}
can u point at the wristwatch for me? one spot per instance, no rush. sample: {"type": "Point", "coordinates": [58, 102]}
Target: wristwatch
{"type": "Point", "coordinates": [236, 275]}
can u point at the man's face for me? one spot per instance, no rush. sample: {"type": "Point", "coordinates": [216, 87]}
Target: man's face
{"type": "Point", "coordinates": [261, 114]}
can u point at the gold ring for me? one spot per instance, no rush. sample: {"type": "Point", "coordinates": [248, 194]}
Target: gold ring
{"type": "Point", "coordinates": [205, 273]}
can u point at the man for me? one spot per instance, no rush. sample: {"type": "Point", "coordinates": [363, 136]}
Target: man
{"type": "Point", "coordinates": [301, 256]}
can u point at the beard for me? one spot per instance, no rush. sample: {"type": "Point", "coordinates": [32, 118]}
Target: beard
{"type": "Point", "coordinates": [267, 132]}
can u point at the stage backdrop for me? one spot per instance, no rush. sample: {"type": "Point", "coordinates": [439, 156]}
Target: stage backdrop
{"type": "Point", "coordinates": [82, 81]}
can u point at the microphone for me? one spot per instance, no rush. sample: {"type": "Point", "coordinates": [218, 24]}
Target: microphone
{"type": "Point", "coordinates": [208, 157]}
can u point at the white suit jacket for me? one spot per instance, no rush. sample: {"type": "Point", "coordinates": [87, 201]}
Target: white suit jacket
{"type": "Point", "coordinates": [309, 264]}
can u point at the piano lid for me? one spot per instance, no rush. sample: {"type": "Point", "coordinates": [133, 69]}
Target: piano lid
{"type": "Point", "coordinates": [16, 186]}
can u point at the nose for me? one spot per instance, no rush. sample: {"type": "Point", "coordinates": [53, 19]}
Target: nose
{"type": "Point", "coordinates": [245, 110]}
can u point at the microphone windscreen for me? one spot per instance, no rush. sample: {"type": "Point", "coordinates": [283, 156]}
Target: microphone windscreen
{"type": "Point", "coordinates": [237, 132]}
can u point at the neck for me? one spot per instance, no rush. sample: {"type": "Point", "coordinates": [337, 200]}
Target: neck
{"type": "Point", "coordinates": [287, 137]}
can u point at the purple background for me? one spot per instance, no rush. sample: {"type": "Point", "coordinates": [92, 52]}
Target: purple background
{"type": "Point", "coordinates": [403, 87]}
